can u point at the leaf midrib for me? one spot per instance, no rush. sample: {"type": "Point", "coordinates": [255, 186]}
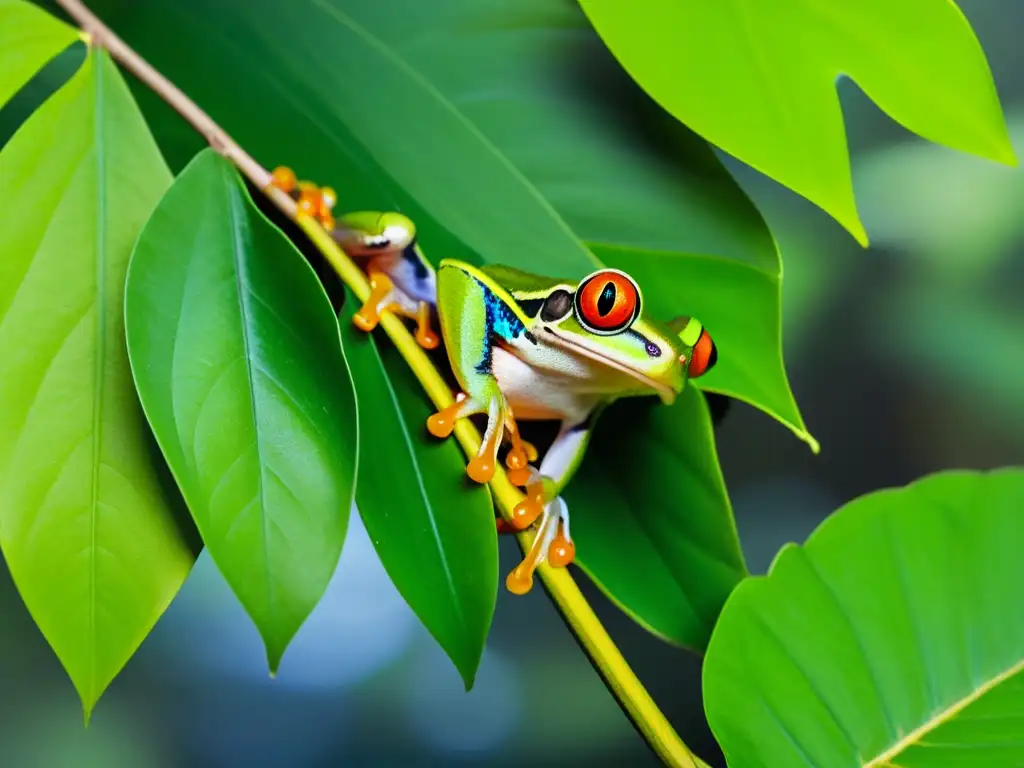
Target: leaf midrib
{"type": "Point", "coordinates": [422, 487]}
{"type": "Point", "coordinates": [944, 716]}
{"type": "Point", "coordinates": [237, 221]}
{"type": "Point", "coordinates": [99, 357]}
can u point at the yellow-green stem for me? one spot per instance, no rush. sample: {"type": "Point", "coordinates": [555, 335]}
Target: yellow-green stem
{"type": "Point", "coordinates": [578, 614]}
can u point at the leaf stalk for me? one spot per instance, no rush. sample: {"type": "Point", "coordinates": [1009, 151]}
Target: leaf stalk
{"type": "Point", "coordinates": [577, 613]}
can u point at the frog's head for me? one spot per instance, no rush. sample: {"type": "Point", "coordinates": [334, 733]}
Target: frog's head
{"type": "Point", "coordinates": [602, 318]}
{"type": "Point", "coordinates": [365, 233]}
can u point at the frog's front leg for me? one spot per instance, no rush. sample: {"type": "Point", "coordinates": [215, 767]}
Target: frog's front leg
{"type": "Point", "coordinates": [484, 397]}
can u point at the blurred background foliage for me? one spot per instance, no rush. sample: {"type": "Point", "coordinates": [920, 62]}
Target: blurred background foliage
{"type": "Point", "coordinates": [905, 359]}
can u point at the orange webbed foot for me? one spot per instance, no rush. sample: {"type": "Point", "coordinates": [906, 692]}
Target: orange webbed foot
{"type": "Point", "coordinates": [530, 508]}
{"type": "Point", "coordinates": [551, 543]}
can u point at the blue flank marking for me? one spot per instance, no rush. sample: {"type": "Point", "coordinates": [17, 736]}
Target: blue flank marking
{"type": "Point", "coordinates": [499, 320]}
{"type": "Point", "coordinates": [409, 254]}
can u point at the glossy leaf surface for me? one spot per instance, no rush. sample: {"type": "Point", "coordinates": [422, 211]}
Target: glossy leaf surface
{"type": "Point", "coordinates": [538, 151]}
{"type": "Point", "coordinates": [29, 37]}
{"type": "Point", "coordinates": [894, 636]}
{"type": "Point", "coordinates": [434, 532]}
{"type": "Point", "coordinates": [758, 79]}
{"type": "Point", "coordinates": [238, 362]}
{"type": "Point", "coordinates": [651, 520]}
{"type": "Point", "coordinates": [86, 525]}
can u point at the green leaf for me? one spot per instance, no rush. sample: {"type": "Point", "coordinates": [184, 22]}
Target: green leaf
{"type": "Point", "coordinates": [41, 87]}
{"type": "Point", "coordinates": [654, 527]}
{"type": "Point", "coordinates": [893, 637]}
{"type": "Point", "coordinates": [541, 147]}
{"type": "Point", "coordinates": [434, 533]}
{"type": "Point", "coordinates": [29, 37]}
{"type": "Point", "coordinates": [87, 529]}
{"type": "Point", "coordinates": [238, 362]}
{"type": "Point", "coordinates": [758, 79]}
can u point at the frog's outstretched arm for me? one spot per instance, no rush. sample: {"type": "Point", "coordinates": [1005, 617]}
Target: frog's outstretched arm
{"type": "Point", "coordinates": [473, 315]}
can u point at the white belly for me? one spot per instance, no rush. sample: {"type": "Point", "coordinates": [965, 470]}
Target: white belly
{"type": "Point", "coordinates": [539, 397]}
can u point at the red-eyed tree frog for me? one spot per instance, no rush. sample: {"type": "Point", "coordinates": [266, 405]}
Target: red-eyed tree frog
{"type": "Point", "coordinates": [402, 281]}
{"type": "Point", "coordinates": [525, 347]}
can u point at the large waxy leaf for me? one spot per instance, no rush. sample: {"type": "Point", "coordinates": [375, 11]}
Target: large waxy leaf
{"type": "Point", "coordinates": [654, 526]}
{"type": "Point", "coordinates": [893, 637]}
{"type": "Point", "coordinates": [238, 362]}
{"type": "Point", "coordinates": [758, 79]}
{"type": "Point", "coordinates": [29, 37]}
{"type": "Point", "coordinates": [540, 147]}
{"type": "Point", "coordinates": [434, 533]}
{"type": "Point", "coordinates": [86, 526]}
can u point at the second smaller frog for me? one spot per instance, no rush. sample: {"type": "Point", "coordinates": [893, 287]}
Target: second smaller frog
{"type": "Point", "coordinates": [402, 281]}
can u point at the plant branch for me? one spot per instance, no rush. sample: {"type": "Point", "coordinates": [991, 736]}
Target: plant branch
{"type": "Point", "coordinates": [577, 613]}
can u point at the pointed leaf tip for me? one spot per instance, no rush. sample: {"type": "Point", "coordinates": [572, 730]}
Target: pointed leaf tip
{"type": "Point", "coordinates": [239, 365]}
{"type": "Point", "coordinates": [441, 552]}
{"type": "Point", "coordinates": [769, 98]}
{"type": "Point", "coordinates": [88, 528]}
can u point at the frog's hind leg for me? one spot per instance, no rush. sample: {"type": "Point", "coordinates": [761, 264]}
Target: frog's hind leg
{"type": "Point", "coordinates": [551, 543]}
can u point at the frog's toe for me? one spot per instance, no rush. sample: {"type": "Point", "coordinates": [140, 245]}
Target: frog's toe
{"type": "Point", "coordinates": [561, 551]}
{"type": "Point", "coordinates": [442, 423]}
{"type": "Point", "coordinates": [283, 178]}
{"type": "Point", "coordinates": [520, 580]}
{"type": "Point", "coordinates": [425, 335]}
{"type": "Point", "coordinates": [519, 455]}
{"type": "Point", "coordinates": [531, 507]}
{"type": "Point", "coordinates": [482, 466]}
{"type": "Point", "coordinates": [531, 451]}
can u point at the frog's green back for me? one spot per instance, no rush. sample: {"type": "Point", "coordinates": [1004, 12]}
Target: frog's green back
{"type": "Point", "coordinates": [517, 281]}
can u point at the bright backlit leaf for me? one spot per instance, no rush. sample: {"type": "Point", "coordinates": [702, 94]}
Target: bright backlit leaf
{"type": "Point", "coordinates": [87, 527]}
{"type": "Point", "coordinates": [758, 79]}
{"type": "Point", "coordinates": [29, 37]}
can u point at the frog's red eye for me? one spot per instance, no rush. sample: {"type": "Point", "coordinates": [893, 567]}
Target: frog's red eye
{"type": "Point", "coordinates": [607, 302]}
{"type": "Point", "coordinates": [703, 356]}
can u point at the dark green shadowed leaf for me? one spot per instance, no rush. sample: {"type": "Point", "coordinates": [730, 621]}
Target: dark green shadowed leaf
{"type": "Point", "coordinates": [541, 147]}
{"type": "Point", "coordinates": [43, 85]}
{"type": "Point", "coordinates": [651, 520]}
{"type": "Point", "coordinates": [434, 532]}
{"type": "Point", "coordinates": [758, 79]}
{"type": "Point", "coordinates": [29, 37]}
{"type": "Point", "coordinates": [893, 637]}
{"type": "Point", "coordinates": [87, 528]}
{"type": "Point", "coordinates": [238, 362]}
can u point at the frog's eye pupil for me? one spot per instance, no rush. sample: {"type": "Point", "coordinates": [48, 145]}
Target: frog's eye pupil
{"type": "Point", "coordinates": [556, 306]}
{"type": "Point", "coordinates": [607, 302]}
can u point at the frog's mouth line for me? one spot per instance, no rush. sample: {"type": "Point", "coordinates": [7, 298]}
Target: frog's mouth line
{"type": "Point", "coordinates": [667, 394]}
